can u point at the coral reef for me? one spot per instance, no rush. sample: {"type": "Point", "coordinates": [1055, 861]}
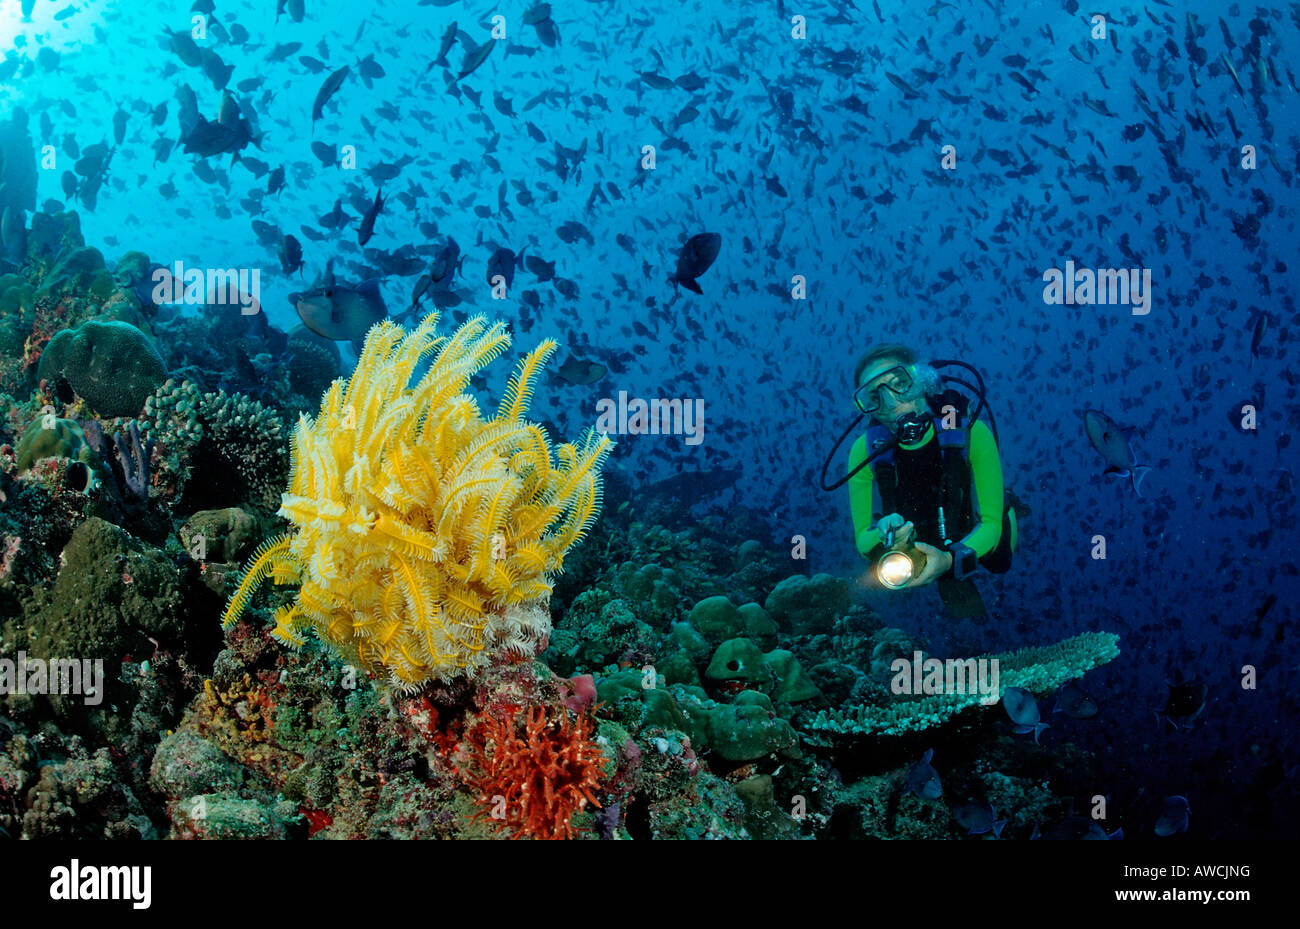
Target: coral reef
{"type": "Point", "coordinates": [228, 535]}
{"type": "Point", "coordinates": [78, 270]}
{"type": "Point", "coordinates": [314, 364]}
{"type": "Point", "coordinates": [219, 449]}
{"type": "Point", "coordinates": [112, 593]}
{"type": "Point", "coordinates": [808, 605]}
{"type": "Point", "coordinates": [473, 672]}
{"type": "Point", "coordinates": [52, 437]}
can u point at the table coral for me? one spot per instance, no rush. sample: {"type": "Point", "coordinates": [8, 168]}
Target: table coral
{"type": "Point", "coordinates": [1039, 670]}
{"type": "Point", "coordinates": [425, 537]}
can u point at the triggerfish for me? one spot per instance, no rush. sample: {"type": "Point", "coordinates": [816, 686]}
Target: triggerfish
{"type": "Point", "coordinates": [1112, 442]}
{"type": "Point", "coordinates": [340, 312]}
{"type": "Point", "coordinates": [696, 257]}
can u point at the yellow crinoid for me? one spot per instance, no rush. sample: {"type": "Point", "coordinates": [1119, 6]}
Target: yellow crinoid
{"type": "Point", "coordinates": [426, 537]}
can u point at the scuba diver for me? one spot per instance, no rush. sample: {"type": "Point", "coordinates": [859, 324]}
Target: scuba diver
{"type": "Point", "coordinates": [925, 481]}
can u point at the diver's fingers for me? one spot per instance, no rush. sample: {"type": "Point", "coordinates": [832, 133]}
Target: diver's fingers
{"type": "Point", "coordinates": [933, 559]}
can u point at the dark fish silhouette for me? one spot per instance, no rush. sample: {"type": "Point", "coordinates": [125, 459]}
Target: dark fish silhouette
{"type": "Point", "coordinates": [908, 90]}
{"type": "Point", "coordinates": [1112, 442]}
{"type": "Point", "coordinates": [475, 58]}
{"type": "Point", "coordinates": [922, 779]}
{"type": "Point", "coordinates": [547, 32]}
{"type": "Point", "coordinates": [1173, 816]}
{"type": "Point", "coordinates": [503, 262]}
{"type": "Point", "coordinates": [1257, 335]}
{"type": "Point", "coordinates": [571, 231]}
{"type": "Point", "coordinates": [186, 49]}
{"type": "Point", "coordinates": [444, 267]}
{"type": "Point", "coordinates": [696, 257]}
{"type": "Point", "coordinates": [290, 254]}
{"type": "Point", "coordinates": [327, 90]}
{"type": "Point", "coordinates": [577, 371]}
{"type": "Point", "coordinates": [537, 13]}
{"type": "Point", "coordinates": [1073, 700]}
{"type": "Point", "coordinates": [326, 153]}
{"type": "Point", "coordinates": [368, 221]}
{"type": "Point", "coordinates": [1023, 710]}
{"type": "Point", "coordinates": [1185, 702]}
{"type": "Point", "coordinates": [545, 270]}
{"type": "Point", "coordinates": [211, 138]}
{"type": "Point", "coordinates": [448, 38]}
{"type": "Point", "coordinates": [370, 70]}
{"type": "Point", "coordinates": [657, 81]}
{"type": "Point", "coordinates": [978, 819]}
{"type": "Point", "coordinates": [280, 53]}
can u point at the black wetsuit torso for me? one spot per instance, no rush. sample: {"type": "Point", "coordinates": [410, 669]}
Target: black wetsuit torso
{"type": "Point", "coordinates": [920, 479]}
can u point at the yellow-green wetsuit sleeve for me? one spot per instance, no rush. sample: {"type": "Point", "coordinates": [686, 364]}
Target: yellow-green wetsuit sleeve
{"type": "Point", "coordinates": [986, 501]}
{"type": "Point", "coordinates": [862, 502]}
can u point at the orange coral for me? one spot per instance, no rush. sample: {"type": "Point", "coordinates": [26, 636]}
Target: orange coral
{"type": "Point", "coordinates": [532, 782]}
{"type": "Point", "coordinates": [246, 704]}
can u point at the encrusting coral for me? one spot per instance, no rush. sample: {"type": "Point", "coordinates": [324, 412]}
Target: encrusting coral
{"type": "Point", "coordinates": [425, 537]}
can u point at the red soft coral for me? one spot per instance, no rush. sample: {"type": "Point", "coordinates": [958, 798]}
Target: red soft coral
{"type": "Point", "coordinates": [532, 770]}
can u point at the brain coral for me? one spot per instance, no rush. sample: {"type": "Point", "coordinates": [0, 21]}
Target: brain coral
{"type": "Point", "coordinates": [425, 537]}
{"type": "Point", "coordinates": [111, 365]}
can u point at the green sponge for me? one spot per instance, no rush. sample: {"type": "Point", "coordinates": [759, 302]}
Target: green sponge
{"type": "Point", "coordinates": [749, 729]}
{"type": "Point", "coordinates": [808, 605]}
{"type": "Point", "coordinates": [793, 685]}
{"type": "Point", "coordinates": [51, 437]}
{"type": "Point", "coordinates": [739, 660]}
{"type": "Point", "coordinates": [717, 619]}
{"type": "Point", "coordinates": [758, 625]}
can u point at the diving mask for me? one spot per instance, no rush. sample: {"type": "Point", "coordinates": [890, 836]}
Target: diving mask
{"type": "Point", "coordinates": [897, 380]}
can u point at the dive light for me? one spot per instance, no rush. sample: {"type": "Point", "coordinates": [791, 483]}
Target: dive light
{"type": "Point", "coordinates": [896, 567]}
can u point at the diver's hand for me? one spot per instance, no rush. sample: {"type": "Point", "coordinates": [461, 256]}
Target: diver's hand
{"type": "Point", "coordinates": [937, 562]}
{"type": "Point", "coordinates": [895, 526]}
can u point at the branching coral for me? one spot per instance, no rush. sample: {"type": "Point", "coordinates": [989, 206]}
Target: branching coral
{"type": "Point", "coordinates": [425, 537]}
{"type": "Point", "coordinates": [248, 438]}
{"type": "Point", "coordinates": [533, 782]}
{"type": "Point", "coordinates": [218, 433]}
